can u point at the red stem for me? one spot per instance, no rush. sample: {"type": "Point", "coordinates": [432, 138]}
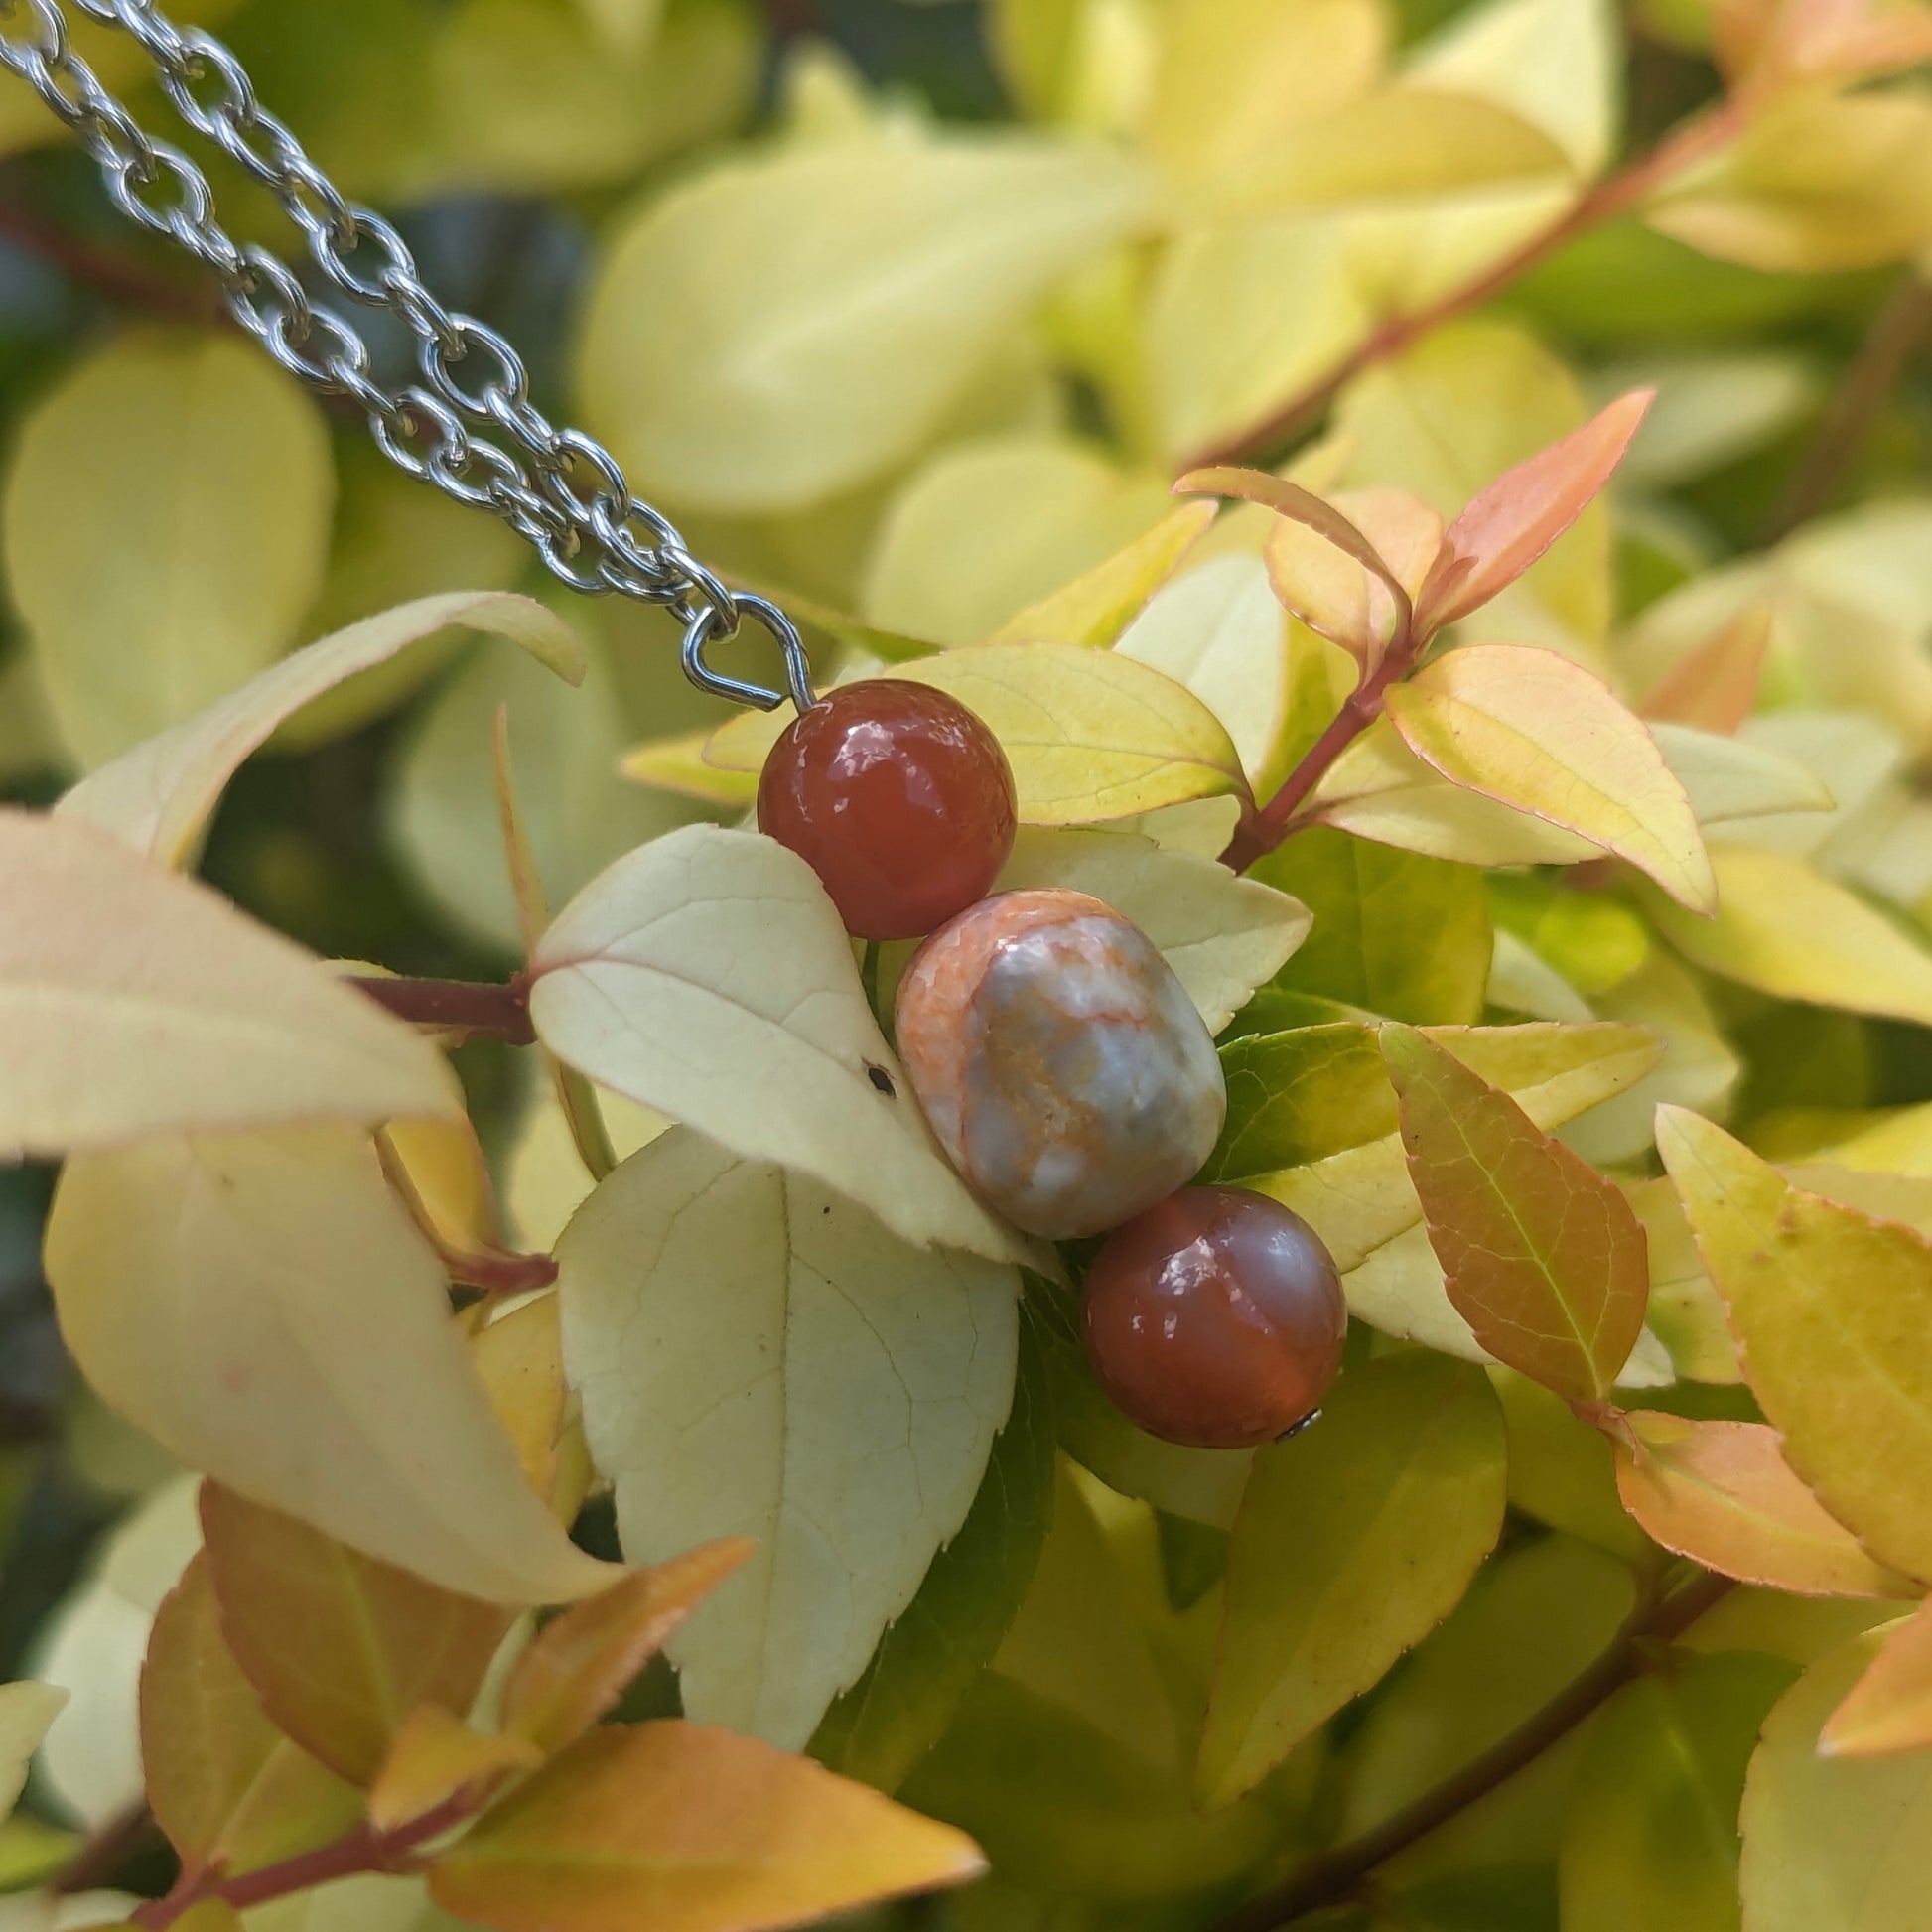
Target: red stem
{"type": "Point", "coordinates": [362, 1850]}
{"type": "Point", "coordinates": [1610, 197]}
{"type": "Point", "coordinates": [105, 272]}
{"type": "Point", "coordinates": [471, 1008]}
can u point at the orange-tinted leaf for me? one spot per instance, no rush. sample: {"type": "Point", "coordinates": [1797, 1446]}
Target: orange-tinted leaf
{"type": "Point", "coordinates": [579, 1665]}
{"type": "Point", "coordinates": [1543, 1257]}
{"type": "Point", "coordinates": [684, 1829]}
{"type": "Point", "coordinates": [1765, 41]}
{"type": "Point", "coordinates": [1723, 1494]}
{"type": "Point", "coordinates": [1340, 598]}
{"type": "Point", "coordinates": [1890, 1708]}
{"type": "Point", "coordinates": [225, 1784]}
{"type": "Point", "coordinates": [340, 1647]}
{"type": "Point", "coordinates": [1303, 506]}
{"type": "Point", "coordinates": [437, 1762]}
{"type": "Point", "coordinates": [1714, 686]}
{"type": "Point", "coordinates": [1506, 527]}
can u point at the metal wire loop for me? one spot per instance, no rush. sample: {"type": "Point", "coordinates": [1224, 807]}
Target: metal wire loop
{"type": "Point", "coordinates": [707, 626]}
{"type": "Point", "coordinates": [468, 425]}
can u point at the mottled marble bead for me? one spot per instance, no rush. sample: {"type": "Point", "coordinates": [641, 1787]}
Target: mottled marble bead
{"type": "Point", "coordinates": [1060, 1061]}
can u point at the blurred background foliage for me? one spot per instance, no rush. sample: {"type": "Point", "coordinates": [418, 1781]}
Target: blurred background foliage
{"type": "Point", "coordinates": [908, 313]}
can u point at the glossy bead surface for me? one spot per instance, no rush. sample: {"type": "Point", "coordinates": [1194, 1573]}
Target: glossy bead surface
{"type": "Point", "coordinates": [897, 797]}
{"type": "Point", "coordinates": [1217, 1319]}
{"type": "Point", "coordinates": [1060, 1061]}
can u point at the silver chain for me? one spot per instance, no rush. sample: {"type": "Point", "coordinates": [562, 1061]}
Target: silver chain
{"type": "Point", "coordinates": [480, 441]}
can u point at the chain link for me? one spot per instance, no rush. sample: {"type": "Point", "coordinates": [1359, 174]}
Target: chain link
{"type": "Point", "coordinates": [467, 425]}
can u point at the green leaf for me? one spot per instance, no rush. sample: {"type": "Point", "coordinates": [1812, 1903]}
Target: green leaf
{"type": "Point", "coordinates": [928, 1658]}
{"type": "Point", "coordinates": [1650, 1838]}
{"type": "Point", "coordinates": [1353, 1542]}
{"type": "Point", "coordinates": [146, 602]}
{"type": "Point", "coordinates": [838, 1404]}
{"type": "Point", "coordinates": [1543, 1256]}
{"type": "Point", "coordinates": [1369, 902]}
{"type": "Point", "coordinates": [1827, 1306]}
{"type": "Point", "coordinates": [1839, 1842]}
{"type": "Point", "coordinates": [790, 325]}
{"type": "Point", "coordinates": [688, 1829]}
{"type": "Point", "coordinates": [27, 1712]}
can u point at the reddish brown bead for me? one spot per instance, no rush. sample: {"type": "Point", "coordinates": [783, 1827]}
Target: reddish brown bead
{"type": "Point", "coordinates": [898, 798]}
{"type": "Point", "coordinates": [1217, 1319]}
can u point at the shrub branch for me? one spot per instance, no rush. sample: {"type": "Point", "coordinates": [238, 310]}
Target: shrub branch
{"type": "Point", "coordinates": [1335, 1876]}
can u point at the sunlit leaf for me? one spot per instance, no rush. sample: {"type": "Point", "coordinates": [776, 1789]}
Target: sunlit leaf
{"type": "Point", "coordinates": [1650, 1833]}
{"type": "Point", "coordinates": [1723, 1494]}
{"type": "Point", "coordinates": [1562, 1471]}
{"type": "Point", "coordinates": [228, 1788]}
{"type": "Point", "coordinates": [339, 1647]}
{"type": "Point", "coordinates": [1732, 779]}
{"type": "Point", "coordinates": [1341, 600]}
{"type": "Point", "coordinates": [1090, 735]}
{"type": "Point", "coordinates": [689, 1830]}
{"type": "Point", "coordinates": [1351, 1545]}
{"type": "Point", "coordinates": [1224, 935]}
{"type": "Point", "coordinates": [1816, 181]}
{"type": "Point", "coordinates": [707, 976]}
{"type": "Point", "coordinates": [437, 1763]}
{"type": "Point", "coordinates": [261, 1304]}
{"type": "Point", "coordinates": [1097, 605]}
{"type": "Point", "coordinates": [580, 1664]}
{"type": "Point", "coordinates": [133, 1004]}
{"type": "Point", "coordinates": [1786, 929]}
{"type": "Point", "coordinates": [881, 1727]}
{"type": "Point", "coordinates": [787, 326]}
{"type": "Point", "coordinates": [1826, 1304]}
{"type": "Point", "coordinates": [157, 796]}
{"type": "Point", "coordinates": [838, 1405]}
{"type": "Point", "coordinates": [1714, 687]}
{"type": "Point", "coordinates": [148, 601]}
{"type": "Point", "coordinates": [1842, 1842]}
{"type": "Point", "coordinates": [1890, 1709]}
{"type": "Point", "coordinates": [520, 1354]}
{"type": "Point", "coordinates": [1542, 1255]}
{"type": "Point", "coordinates": [1546, 737]}
{"type": "Point", "coordinates": [1368, 903]}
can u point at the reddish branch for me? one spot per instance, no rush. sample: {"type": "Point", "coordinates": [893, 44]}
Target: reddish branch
{"type": "Point", "coordinates": [1613, 195]}
{"type": "Point", "coordinates": [364, 1849]}
{"type": "Point", "coordinates": [475, 1009]}
{"type": "Point", "coordinates": [1336, 1876]}
{"type": "Point", "coordinates": [104, 271]}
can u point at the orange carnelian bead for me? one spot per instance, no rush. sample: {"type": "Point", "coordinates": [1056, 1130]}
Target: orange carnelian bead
{"type": "Point", "coordinates": [1062, 1064]}
{"type": "Point", "coordinates": [1217, 1319]}
{"type": "Point", "coordinates": [897, 797]}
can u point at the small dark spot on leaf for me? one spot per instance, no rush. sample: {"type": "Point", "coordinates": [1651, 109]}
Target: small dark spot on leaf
{"type": "Point", "coordinates": [882, 1080]}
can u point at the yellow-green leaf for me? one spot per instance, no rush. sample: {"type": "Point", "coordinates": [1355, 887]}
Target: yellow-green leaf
{"type": "Point", "coordinates": [837, 1404]}
{"type": "Point", "coordinates": [1731, 778]}
{"type": "Point", "coordinates": [1816, 182]}
{"type": "Point", "coordinates": [1890, 1708]}
{"type": "Point", "coordinates": [1651, 1830]}
{"type": "Point", "coordinates": [1784, 928]}
{"type": "Point", "coordinates": [436, 1763]}
{"type": "Point", "coordinates": [147, 601]}
{"type": "Point", "coordinates": [262, 1305]}
{"type": "Point", "coordinates": [1542, 1255]}
{"type": "Point", "coordinates": [157, 796]}
{"type": "Point", "coordinates": [1723, 1494]}
{"type": "Point", "coordinates": [1097, 605]}
{"type": "Point", "coordinates": [1224, 935]}
{"type": "Point", "coordinates": [339, 1647]}
{"type": "Point", "coordinates": [1089, 734]}
{"type": "Point", "coordinates": [1351, 1545]}
{"type": "Point", "coordinates": [1548, 737]}
{"type": "Point", "coordinates": [26, 1713]}
{"type": "Point", "coordinates": [228, 1788]}
{"type": "Point", "coordinates": [707, 976]}
{"type": "Point", "coordinates": [787, 326]}
{"type": "Point", "coordinates": [1827, 1306]}
{"type": "Point", "coordinates": [134, 1004]}
{"type": "Point", "coordinates": [579, 1664]}
{"type": "Point", "coordinates": [689, 1830]}
{"type": "Point", "coordinates": [1838, 1841]}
